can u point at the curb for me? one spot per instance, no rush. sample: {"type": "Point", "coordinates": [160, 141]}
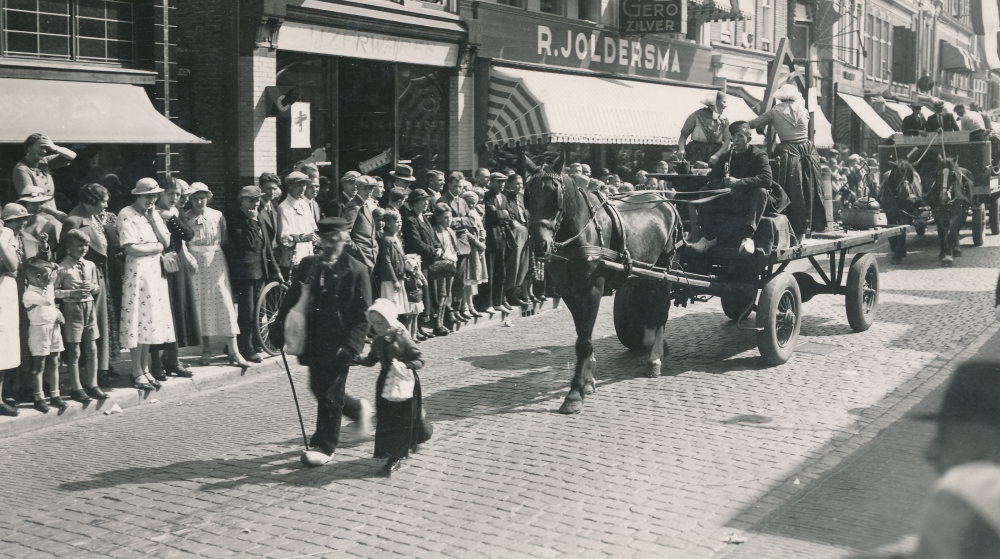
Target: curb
{"type": "Point", "coordinates": [205, 378]}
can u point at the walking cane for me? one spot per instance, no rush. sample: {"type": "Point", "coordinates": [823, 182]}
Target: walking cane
{"type": "Point", "coordinates": [295, 396]}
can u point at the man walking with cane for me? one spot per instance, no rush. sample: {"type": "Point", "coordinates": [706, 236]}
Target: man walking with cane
{"type": "Point", "coordinates": [336, 325]}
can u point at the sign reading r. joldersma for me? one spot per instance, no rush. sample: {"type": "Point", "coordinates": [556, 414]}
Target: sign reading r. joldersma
{"type": "Point", "coordinates": [650, 16]}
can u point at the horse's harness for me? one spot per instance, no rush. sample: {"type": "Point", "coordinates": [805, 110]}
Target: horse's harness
{"type": "Point", "coordinates": [619, 252]}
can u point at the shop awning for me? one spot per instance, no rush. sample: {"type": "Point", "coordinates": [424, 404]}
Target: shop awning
{"type": "Point", "coordinates": [867, 115]}
{"type": "Point", "coordinates": [721, 10]}
{"type": "Point", "coordinates": [527, 106]}
{"type": "Point", "coordinates": [957, 59]}
{"type": "Point", "coordinates": [84, 113]}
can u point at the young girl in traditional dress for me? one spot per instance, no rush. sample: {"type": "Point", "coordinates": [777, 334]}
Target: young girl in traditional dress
{"type": "Point", "coordinates": [401, 425]}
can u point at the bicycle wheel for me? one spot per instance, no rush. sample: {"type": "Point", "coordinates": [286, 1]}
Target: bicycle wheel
{"type": "Point", "coordinates": [268, 304]}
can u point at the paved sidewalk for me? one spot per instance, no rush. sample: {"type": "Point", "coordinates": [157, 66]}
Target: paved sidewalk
{"type": "Point", "coordinates": [216, 375]}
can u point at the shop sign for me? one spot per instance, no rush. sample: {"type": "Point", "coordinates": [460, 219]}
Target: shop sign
{"type": "Point", "coordinates": [301, 37]}
{"type": "Point", "coordinates": [636, 17]}
{"type": "Point", "coordinates": [380, 160]}
{"type": "Point", "coordinates": [506, 35]}
{"type": "Point", "coordinates": [301, 133]}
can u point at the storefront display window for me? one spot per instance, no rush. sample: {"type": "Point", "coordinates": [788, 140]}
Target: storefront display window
{"type": "Point", "coordinates": [423, 117]}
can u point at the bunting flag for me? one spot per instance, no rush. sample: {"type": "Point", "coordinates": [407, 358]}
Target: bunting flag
{"type": "Point", "coordinates": [986, 24]}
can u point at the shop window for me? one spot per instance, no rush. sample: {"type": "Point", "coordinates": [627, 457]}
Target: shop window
{"type": "Point", "coordinates": [422, 118]}
{"type": "Point", "coordinates": [86, 30]}
{"type": "Point", "coordinates": [588, 10]}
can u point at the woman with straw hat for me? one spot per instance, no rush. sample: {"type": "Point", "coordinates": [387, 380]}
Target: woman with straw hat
{"type": "Point", "coordinates": [11, 258]}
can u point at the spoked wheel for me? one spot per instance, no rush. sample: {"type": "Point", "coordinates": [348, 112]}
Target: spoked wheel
{"type": "Point", "coordinates": [779, 318]}
{"type": "Point", "coordinates": [268, 304]}
{"type": "Point", "coordinates": [862, 292]}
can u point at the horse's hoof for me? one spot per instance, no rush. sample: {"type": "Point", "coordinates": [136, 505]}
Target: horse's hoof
{"type": "Point", "coordinates": [571, 407]}
{"type": "Point", "coordinates": [652, 370]}
{"type": "Point", "coordinates": [947, 261]}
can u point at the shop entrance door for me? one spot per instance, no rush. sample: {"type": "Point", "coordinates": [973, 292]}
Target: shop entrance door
{"type": "Point", "coordinates": [366, 111]}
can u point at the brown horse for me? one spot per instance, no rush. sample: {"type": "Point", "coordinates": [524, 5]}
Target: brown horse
{"type": "Point", "coordinates": [575, 230]}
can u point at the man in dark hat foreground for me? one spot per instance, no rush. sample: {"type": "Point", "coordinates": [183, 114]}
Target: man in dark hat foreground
{"type": "Point", "coordinates": [962, 515]}
{"type": "Point", "coordinates": [914, 123]}
{"type": "Point", "coordinates": [745, 170]}
{"type": "Point", "coordinates": [336, 326]}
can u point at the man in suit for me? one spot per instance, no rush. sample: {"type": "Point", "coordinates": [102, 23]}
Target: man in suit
{"type": "Point", "coordinates": [251, 264]}
{"type": "Point", "coordinates": [361, 224]}
{"type": "Point", "coordinates": [497, 223]}
{"type": "Point", "coordinates": [941, 119]}
{"type": "Point", "coordinates": [915, 122]}
{"type": "Point", "coordinates": [296, 223]}
{"type": "Point", "coordinates": [517, 256]}
{"type": "Point", "coordinates": [268, 209]}
{"type": "Point", "coordinates": [402, 177]}
{"type": "Point", "coordinates": [336, 327]}
{"type": "Point", "coordinates": [419, 238]}
{"type": "Point", "coordinates": [348, 189]}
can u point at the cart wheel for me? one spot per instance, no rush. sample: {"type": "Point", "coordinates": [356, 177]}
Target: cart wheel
{"type": "Point", "coordinates": [978, 224]}
{"type": "Point", "coordinates": [734, 305]}
{"type": "Point", "coordinates": [862, 293]}
{"type": "Point", "coordinates": [268, 304]}
{"type": "Point", "coordinates": [628, 302]}
{"type": "Point", "coordinates": [779, 317]}
{"type": "Point", "coordinates": [994, 208]}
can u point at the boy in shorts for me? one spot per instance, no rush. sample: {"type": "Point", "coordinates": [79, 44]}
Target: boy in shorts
{"type": "Point", "coordinates": [44, 337]}
{"type": "Point", "coordinates": [76, 286]}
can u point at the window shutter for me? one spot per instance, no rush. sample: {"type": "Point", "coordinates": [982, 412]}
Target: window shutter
{"type": "Point", "coordinates": [904, 55]}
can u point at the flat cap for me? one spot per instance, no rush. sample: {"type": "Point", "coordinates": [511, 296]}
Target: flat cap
{"type": "Point", "coordinates": [350, 176]}
{"type": "Point", "coordinates": [250, 192]}
{"type": "Point", "coordinates": [296, 176]}
{"type": "Point", "coordinates": [497, 176]}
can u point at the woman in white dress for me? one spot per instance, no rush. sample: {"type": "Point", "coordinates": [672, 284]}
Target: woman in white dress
{"type": "Point", "coordinates": [212, 291]}
{"type": "Point", "coordinates": [11, 254]}
{"type": "Point", "coordinates": [145, 313]}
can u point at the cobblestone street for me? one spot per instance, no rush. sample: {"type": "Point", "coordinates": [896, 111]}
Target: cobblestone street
{"type": "Point", "coordinates": [814, 458]}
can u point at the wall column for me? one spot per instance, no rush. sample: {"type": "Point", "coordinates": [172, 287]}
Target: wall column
{"type": "Point", "coordinates": [258, 131]}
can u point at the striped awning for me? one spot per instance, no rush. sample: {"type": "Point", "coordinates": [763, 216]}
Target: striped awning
{"type": "Point", "coordinates": [957, 59]}
{"type": "Point", "coordinates": [528, 106]}
{"type": "Point", "coordinates": [867, 115]}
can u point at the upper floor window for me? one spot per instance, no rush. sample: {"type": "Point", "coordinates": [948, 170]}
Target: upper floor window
{"type": "Point", "coordinates": [86, 30]}
{"type": "Point", "coordinates": [766, 28]}
{"type": "Point", "coordinates": [878, 39]}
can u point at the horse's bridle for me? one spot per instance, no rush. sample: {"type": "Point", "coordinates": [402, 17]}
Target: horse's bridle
{"type": "Point", "coordinates": [556, 222]}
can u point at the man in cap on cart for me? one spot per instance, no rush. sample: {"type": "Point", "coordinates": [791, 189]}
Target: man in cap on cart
{"type": "Point", "coordinates": [746, 171]}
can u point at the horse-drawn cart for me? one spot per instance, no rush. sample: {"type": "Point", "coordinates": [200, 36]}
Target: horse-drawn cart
{"type": "Point", "coordinates": [767, 287]}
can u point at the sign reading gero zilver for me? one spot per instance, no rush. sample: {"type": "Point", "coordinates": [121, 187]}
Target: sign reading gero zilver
{"type": "Point", "coordinates": [636, 17]}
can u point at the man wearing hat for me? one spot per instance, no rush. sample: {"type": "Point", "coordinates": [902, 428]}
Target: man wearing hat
{"type": "Point", "coordinates": [914, 123]}
{"type": "Point", "coordinates": [251, 263]}
{"type": "Point", "coordinates": [348, 189]}
{"type": "Point", "coordinates": [41, 157]}
{"type": "Point", "coordinates": [41, 231]}
{"type": "Point", "coordinates": [336, 327]}
{"type": "Point", "coordinates": [962, 514]}
{"type": "Point", "coordinates": [942, 119]}
{"type": "Point", "coordinates": [746, 171]}
{"type": "Point", "coordinates": [419, 238]}
{"type": "Point", "coordinates": [361, 224]}
{"type": "Point", "coordinates": [296, 223]}
{"type": "Point", "coordinates": [498, 238]}
{"type": "Point", "coordinates": [402, 177]}
{"type": "Point", "coordinates": [708, 130]}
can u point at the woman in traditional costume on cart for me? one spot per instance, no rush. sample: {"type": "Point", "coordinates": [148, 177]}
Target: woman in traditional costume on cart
{"type": "Point", "coordinates": [708, 130]}
{"type": "Point", "coordinates": [799, 172]}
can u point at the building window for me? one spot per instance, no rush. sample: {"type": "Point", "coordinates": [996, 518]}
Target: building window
{"type": "Point", "coordinates": [766, 30]}
{"type": "Point", "coordinates": [86, 30]}
{"type": "Point", "coordinates": [588, 10]}
{"type": "Point", "coordinates": [878, 39]}
{"type": "Point", "coordinates": [727, 32]}
{"type": "Point", "coordinates": [546, 6]}
{"type": "Point", "coordinates": [515, 3]}
{"type": "Point", "coordinates": [959, 81]}
{"type": "Point", "coordinates": [980, 92]}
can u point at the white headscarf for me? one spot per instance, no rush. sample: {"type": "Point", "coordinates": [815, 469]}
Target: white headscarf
{"type": "Point", "coordinates": [788, 92]}
{"type": "Point", "coordinates": [387, 309]}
